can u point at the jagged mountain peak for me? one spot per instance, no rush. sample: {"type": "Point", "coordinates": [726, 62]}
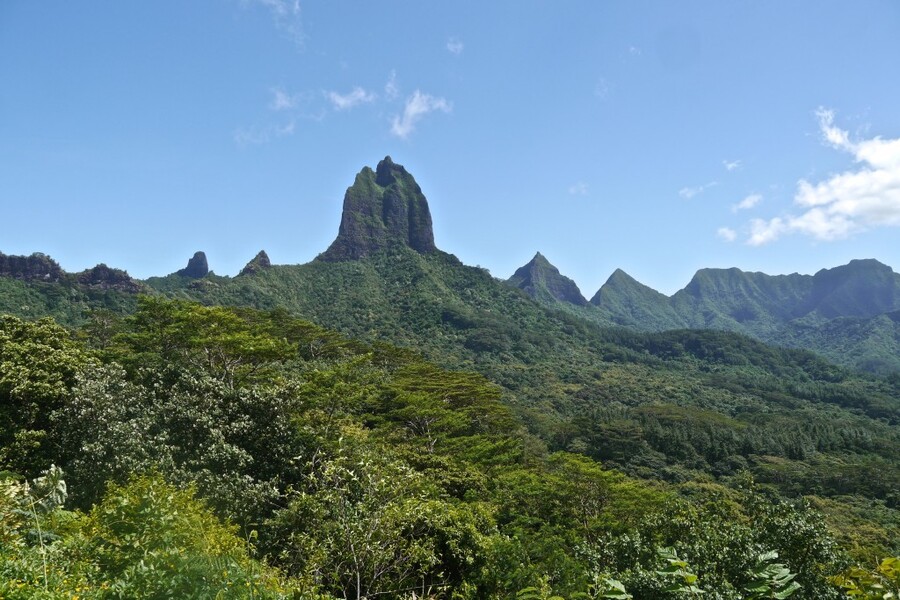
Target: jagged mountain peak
{"type": "Point", "coordinates": [196, 268]}
{"type": "Point", "coordinates": [383, 207]}
{"type": "Point", "coordinates": [260, 262]}
{"type": "Point", "coordinates": [105, 277]}
{"type": "Point", "coordinates": [621, 282]}
{"type": "Point", "coordinates": [38, 267]}
{"type": "Point", "coordinates": [542, 281]}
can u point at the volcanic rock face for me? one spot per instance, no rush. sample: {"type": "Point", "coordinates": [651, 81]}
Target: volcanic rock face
{"type": "Point", "coordinates": [196, 268]}
{"type": "Point", "coordinates": [540, 278]}
{"type": "Point", "coordinates": [381, 208]}
{"type": "Point", "coordinates": [105, 278]}
{"type": "Point", "coordinates": [37, 267]}
{"type": "Point", "coordinates": [259, 263]}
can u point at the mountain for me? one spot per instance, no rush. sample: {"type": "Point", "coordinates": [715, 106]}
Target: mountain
{"type": "Point", "coordinates": [36, 286]}
{"type": "Point", "coordinates": [541, 280]}
{"type": "Point", "coordinates": [862, 288]}
{"type": "Point", "coordinates": [383, 207]}
{"type": "Point", "coordinates": [249, 407]}
{"type": "Point", "coordinates": [676, 405]}
{"type": "Point", "coordinates": [196, 268]}
{"type": "Point", "coordinates": [630, 303]}
{"type": "Point", "coordinates": [842, 313]}
{"type": "Point", "coordinates": [259, 263]}
{"type": "Point", "coordinates": [37, 267]}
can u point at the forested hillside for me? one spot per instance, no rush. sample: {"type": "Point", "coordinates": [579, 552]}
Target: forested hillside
{"type": "Point", "coordinates": [849, 314]}
{"type": "Point", "coordinates": [386, 421]}
{"type": "Point", "coordinates": [215, 452]}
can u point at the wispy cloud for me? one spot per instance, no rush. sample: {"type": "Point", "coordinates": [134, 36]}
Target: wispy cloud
{"type": "Point", "coordinates": [847, 203]}
{"type": "Point", "coordinates": [689, 192]}
{"type": "Point", "coordinates": [417, 106]}
{"type": "Point", "coordinates": [726, 233]}
{"type": "Point", "coordinates": [747, 203]}
{"type": "Point", "coordinates": [578, 189]}
{"type": "Point", "coordinates": [454, 46]}
{"type": "Point", "coordinates": [254, 136]}
{"type": "Point", "coordinates": [731, 165]}
{"type": "Point", "coordinates": [354, 98]}
{"type": "Point", "coordinates": [391, 91]}
{"type": "Point", "coordinates": [602, 88]}
{"type": "Point", "coordinates": [634, 51]}
{"type": "Point", "coordinates": [281, 100]}
{"type": "Point", "coordinates": [286, 14]}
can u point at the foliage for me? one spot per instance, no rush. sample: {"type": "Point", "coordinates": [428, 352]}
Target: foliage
{"type": "Point", "coordinates": [770, 579]}
{"type": "Point", "coordinates": [678, 575]}
{"type": "Point", "coordinates": [363, 469]}
{"type": "Point", "coordinates": [881, 583]}
{"type": "Point", "coordinates": [38, 365]}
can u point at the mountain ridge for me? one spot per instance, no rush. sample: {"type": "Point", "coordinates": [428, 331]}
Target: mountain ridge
{"type": "Point", "coordinates": [836, 312]}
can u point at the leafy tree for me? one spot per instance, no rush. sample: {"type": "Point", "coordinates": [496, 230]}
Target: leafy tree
{"type": "Point", "coordinates": [38, 365]}
{"type": "Point", "coordinates": [368, 525]}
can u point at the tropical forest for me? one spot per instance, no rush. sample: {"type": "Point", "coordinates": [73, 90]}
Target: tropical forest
{"type": "Point", "coordinates": [387, 422]}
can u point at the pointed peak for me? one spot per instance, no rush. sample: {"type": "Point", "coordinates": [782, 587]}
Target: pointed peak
{"type": "Point", "coordinates": [260, 262]}
{"type": "Point", "coordinates": [620, 275]}
{"type": "Point", "coordinates": [621, 284]}
{"type": "Point", "coordinates": [542, 281]}
{"type": "Point", "coordinates": [196, 268]}
{"type": "Point", "coordinates": [382, 208]}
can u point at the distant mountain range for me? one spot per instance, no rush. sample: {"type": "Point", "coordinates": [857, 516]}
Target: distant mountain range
{"type": "Point", "coordinates": [850, 314]}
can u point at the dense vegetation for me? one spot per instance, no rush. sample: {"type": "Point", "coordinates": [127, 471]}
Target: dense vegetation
{"type": "Point", "coordinates": [849, 314]}
{"type": "Point", "coordinates": [210, 452]}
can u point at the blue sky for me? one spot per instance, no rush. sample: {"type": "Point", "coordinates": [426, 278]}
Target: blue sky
{"type": "Point", "coordinates": [656, 137]}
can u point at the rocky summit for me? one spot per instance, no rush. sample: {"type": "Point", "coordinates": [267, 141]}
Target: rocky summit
{"type": "Point", "coordinates": [382, 208]}
{"type": "Point", "coordinates": [259, 263]}
{"type": "Point", "coordinates": [37, 267]}
{"type": "Point", "coordinates": [196, 268]}
{"type": "Point", "coordinates": [541, 280]}
{"type": "Point", "coordinates": [106, 278]}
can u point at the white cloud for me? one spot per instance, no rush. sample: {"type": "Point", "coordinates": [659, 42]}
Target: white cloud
{"type": "Point", "coordinates": [455, 46]}
{"type": "Point", "coordinates": [726, 233]}
{"type": "Point", "coordinates": [845, 203]}
{"type": "Point", "coordinates": [255, 136]}
{"type": "Point", "coordinates": [347, 101]}
{"type": "Point", "coordinates": [417, 106]}
{"type": "Point", "coordinates": [286, 14]}
{"type": "Point", "coordinates": [731, 165]}
{"type": "Point", "coordinates": [602, 89]}
{"type": "Point", "coordinates": [634, 51]}
{"type": "Point", "coordinates": [763, 232]}
{"type": "Point", "coordinates": [281, 100]}
{"type": "Point", "coordinates": [689, 192]}
{"type": "Point", "coordinates": [391, 91]}
{"type": "Point", "coordinates": [579, 189]}
{"type": "Point", "coordinates": [747, 203]}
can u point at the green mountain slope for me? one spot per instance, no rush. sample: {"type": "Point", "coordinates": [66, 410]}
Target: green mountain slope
{"type": "Point", "coordinates": [677, 405]}
{"type": "Point", "coordinates": [541, 280]}
{"type": "Point", "coordinates": [840, 313]}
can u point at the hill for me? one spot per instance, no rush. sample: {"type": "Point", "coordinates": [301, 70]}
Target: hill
{"type": "Point", "coordinates": [255, 408]}
{"type": "Point", "coordinates": [676, 405]}
{"type": "Point", "coordinates": [842, 313]}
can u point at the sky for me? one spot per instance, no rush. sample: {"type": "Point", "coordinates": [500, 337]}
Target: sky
{"type": "Point", "coordinates": [656, 137]}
